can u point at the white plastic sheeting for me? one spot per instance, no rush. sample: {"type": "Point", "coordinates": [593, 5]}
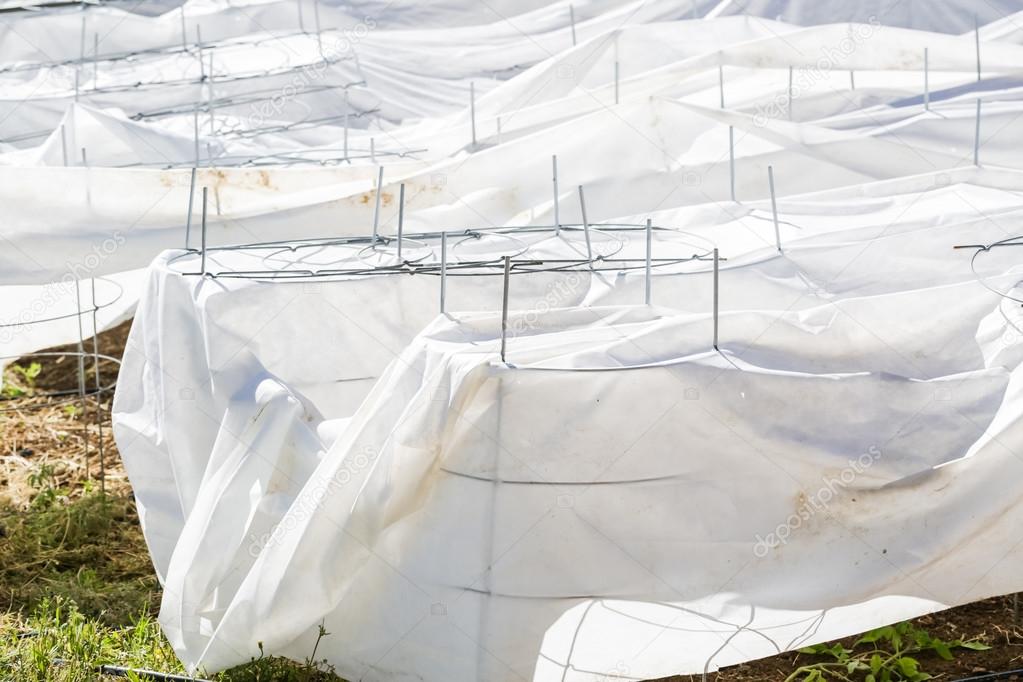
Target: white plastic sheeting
{"type": "Point", "coordinates": [619, 499]}
{"type": "Point", "coordinates": [278, 96]}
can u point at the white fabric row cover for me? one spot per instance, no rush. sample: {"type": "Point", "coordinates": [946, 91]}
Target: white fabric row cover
{"type": "Point", "coordinates": [124, 197]}
{"type": "Point", "coordinates": [618, 499]}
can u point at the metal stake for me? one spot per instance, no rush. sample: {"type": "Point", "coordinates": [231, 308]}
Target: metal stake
{"type": "Point", "coordinates": [472, 111]}
{"type": "Point", "coordinates": [715, 299]}
{"type": "Point", "coordinates": [85, 158]}
{"type": "Point", "coordinates": [852, 73]}
{"type": "Point", "coordinates": [443, 271]}
{"type": "Point", "coordinates": [557, 210]}
{"type": "Point", "coordinates": [184, 32]}
{"type": "Point", "coordinates": [586, 226]}
{"type": "Point", "coordinates": [731, 158]}
{"type": "Point", "coordinates": [774, 208]}
{"type": "Point", "coordinates": [649, 258]}
{"type": "Point", "coordinates": [209, 91]}
{"type": "Point", "coordinates": [346, 126]}
{"type": "Point", "coordinates": [81, 372]}
{"type": "Point", "coordinates": [976, 138]}
{"type": "Point", "coordinates": [927, 81]}
{"type": "Point", "coordinates": [198, 47]}
{"type": "Point", "coordinates": [401, 216]}
{"type": "Point", "coordinates": [319, 34]}
{"type": "Point", "coordinates": [372, 150]}
{"type": "Point", "coordinates": [721, 83]}
{"type": "Point", "coordinates": [195, 132]}
{"type": "Point", "coordinates": [376, 210]}
{"type": "Point", "coordinates": [976, 33]}
{"type": "Point", "coordinates": [202, 260]}
{"type": "Point", "coordinates": [790, 93]}
{"type": "Point", "coordinates": [63, 143]}
{"type": "Point", "coordinates": [99, 392]}
{"type": "Point", "coordinates": [81, 41]}
{"type": "Point", "coordinates": [504, 308]}
{"type": "Point", "coordinates": [191, 197]}
{"type": "Point", "coordinates": [571, 18]}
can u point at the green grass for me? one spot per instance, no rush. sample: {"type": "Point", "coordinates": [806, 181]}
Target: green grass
{"type": "Point", "coordinates": [77, 591]}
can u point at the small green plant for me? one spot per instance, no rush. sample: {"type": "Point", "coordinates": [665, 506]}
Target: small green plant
{"type": "Point", "coordinates": [44, 480]}
{"type": "Point", "coordinates": [20, 380]}
{"type": "Point", "coordinates": [273, 669]}
{"type": "Point", "coordinates": [883, 655]}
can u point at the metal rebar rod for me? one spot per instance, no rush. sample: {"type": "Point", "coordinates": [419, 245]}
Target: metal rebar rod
{"type": "Point", "coordinates": [976, 137]}
{"type": "Point", "coordinates": [191, 198]}
{"type": "Point", "coordinates": [649, 260]}
{"type": "Point", "coordinates": [81, 373]}
{"type": "Point", "coordinates": [63, 143]}
{"type": "Point", "coordinates": [774, 208]}
{"type": "Point", "coordinates": [81, 41]}
{"type": "Point", "coordinates": [401, 217]}
{"type": "Point", "coordinates": [731, 159]}
{"type": "Point", "coordinates": [376, 209]}
{"type": "Point", "coordinates": [976, 33]}
{"type": "Point", "coordinates": [198, 48]}
{"type": "Point", "coordinates": [443, 271]}
{"type": "Point", "coordinates": [202, 261]}
{"type": "Point", "coordinates": [319, 33]}
{"type": "Point", "coordinates": [927, 80]}
{"type": "Point", "coordinates": [504, 308]}
{"type": "Point", "coordinates": [99, 393]}
{"type": "Point", "coordinates": [715, 298]}
{"type": "Point", "coordinates": [557, 210]}
{"type": "Point", "coordinates": [790, 93]}
{"type": "Point", "coordinates": [85, 158]}
{"type": "Point", "coordinates": [472, 111]}
{"type": "Point", "coordinates": [209, 99]}
{"type": "Point", "coordinates": [95, 61]}
{"type": "Point", "coordinates": [195, 132]}
{"type": "Point", "coordinates": [721, 83]}
{"type": "Point", "coordinates": [184, 31]}
{"type": "Point", "coordinates": [852, 79]}
{"type": "Point", "coordinates": [586, 226]}
{"type": "Point", "coordinates": [347, 108]}
{"type": "Point", "coordinates": [571, 19]}
{"type": "Point", "coordinates": [372, 150]}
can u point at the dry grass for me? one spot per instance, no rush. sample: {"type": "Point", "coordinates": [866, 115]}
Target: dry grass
{"type": "Point", "coordinates": [48, 430]}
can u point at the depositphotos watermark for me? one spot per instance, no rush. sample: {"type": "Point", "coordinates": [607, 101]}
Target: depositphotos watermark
{"type": "Point", "coordinates": [335, 48]}
{"type": "Point", "coordinates": [816, 503]}
{"type": "Point", "coordinates": [804, 79]}
{"type": "Point", "coordinates": [59, 292]}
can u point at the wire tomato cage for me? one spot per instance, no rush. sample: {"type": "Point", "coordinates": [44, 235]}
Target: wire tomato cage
{"type": "Point", "coordinates": [34, 315]}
